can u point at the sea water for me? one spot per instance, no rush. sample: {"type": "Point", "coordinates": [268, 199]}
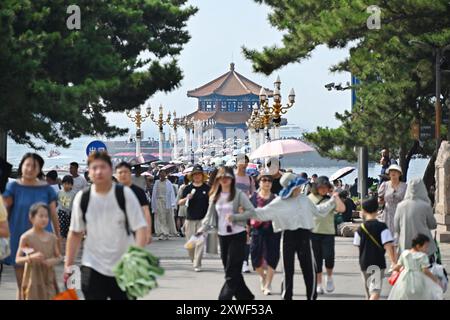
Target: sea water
{"type": "Point", "coordinates": [77, 152]}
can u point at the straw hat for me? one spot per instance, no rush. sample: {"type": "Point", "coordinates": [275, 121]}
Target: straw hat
{"type": "Point", "coordinates": [197, 169]}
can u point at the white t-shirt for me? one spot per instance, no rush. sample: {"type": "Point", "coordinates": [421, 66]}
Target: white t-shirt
{"type": "Point", "coordinates": [225, 208]}
{"type": "Point", "coordinates": [107, 238]}
{"type": "Point", "coordinates": [79, 183]}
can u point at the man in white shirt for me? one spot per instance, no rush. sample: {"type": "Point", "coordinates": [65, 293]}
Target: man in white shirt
{"type": "Point", "coordinates": [79, 182]}
{"type": "Point", "coordinates": [108, 231]}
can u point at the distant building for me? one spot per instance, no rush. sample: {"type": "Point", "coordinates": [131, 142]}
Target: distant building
{"type": "Point", "coordinates": [226, 102]}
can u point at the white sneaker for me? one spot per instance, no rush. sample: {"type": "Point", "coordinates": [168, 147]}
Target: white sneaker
{"type": "Point", "coordinates": [320, 290]}
{"type": "Point", "coordinates": [262, 282]}
{"type": "Point", "coordinates": [197, 269]}
{"type": "Point", "coordinates": [245, 268]}
{"type": "Point", "coordinates": [330, 285]}
{"type": "Point", "coordinates": [267, 291]}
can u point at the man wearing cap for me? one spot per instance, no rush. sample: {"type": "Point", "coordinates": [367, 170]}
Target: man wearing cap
{"type": "Point", "coordinates": [196, 198]}
{"type": "Point", "coordinates": [292, 213]}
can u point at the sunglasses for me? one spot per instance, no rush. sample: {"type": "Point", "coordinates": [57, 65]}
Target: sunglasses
{"type": "Point", "coordinates": [266, 180]}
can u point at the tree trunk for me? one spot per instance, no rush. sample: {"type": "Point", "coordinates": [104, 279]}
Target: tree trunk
{"type": "Point", "coordinates": [428, 177]}
{"type": "Point", "coordinates": [405, 157]}
{"type": "Point", "coordinates": [404, 162]}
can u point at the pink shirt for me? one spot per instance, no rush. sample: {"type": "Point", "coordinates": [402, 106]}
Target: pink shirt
{"type": "Point", "coordinates": [225, 208]}
{"type": "Point", "coordinates": [245, 184]}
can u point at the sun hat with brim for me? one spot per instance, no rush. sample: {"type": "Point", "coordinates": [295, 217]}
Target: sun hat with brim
{"type": "Point", "coordinates": [197, 169]}
{"type": "Point", "coordinates": [394, 167]}
{"type": "Point", "coordinates": [292, 185]}
{"type": "Point", "coordinates": [265, 174]}
{"type": "Point", "coordinates": [286, 178]}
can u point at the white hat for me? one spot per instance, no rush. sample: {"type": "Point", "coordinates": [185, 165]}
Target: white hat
{"type": "Point", "coordinates": [394, 167]}
{"type": "Point", "coordinates": [286, 178]}
{"type": "Point", "coordinates": [290, 182]}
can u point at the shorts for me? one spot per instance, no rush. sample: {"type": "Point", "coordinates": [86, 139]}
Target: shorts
{"type": "Point", "coordinates": [323, 247]}
{"type": "Point", "coordinates": [374, 286]}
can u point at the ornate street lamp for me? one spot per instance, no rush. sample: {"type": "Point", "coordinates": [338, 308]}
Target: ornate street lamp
{"type": "Point", "coordinates": [160, 123]}
{"type": "Point", "coordinates": [174, 125]}
{"type": "Point", "coordinates": [272, 114]}
{"type": "Point", "coordinates": [138, 118]}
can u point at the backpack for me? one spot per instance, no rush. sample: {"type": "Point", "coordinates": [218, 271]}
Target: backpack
{"type": "Point", "coordinates": [120, 196]}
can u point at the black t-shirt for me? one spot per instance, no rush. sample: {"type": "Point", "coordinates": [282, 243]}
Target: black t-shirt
{"type": "Point", "coordinates": [198, 205]}
{"type": "Point", "coordinates": [140, 194]}
{"type": "Point", "coordinates": [369, 253]}
{"type": "Point", "coordinates": [276, 186]}
{"type": "Point", "coordinates": [349, 207]}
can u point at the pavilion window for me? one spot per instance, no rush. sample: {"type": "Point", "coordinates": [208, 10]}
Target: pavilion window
{"type": "Point", "coordinates": [232, 106]}
{"type": "Point", "coordinates": [239, 106]}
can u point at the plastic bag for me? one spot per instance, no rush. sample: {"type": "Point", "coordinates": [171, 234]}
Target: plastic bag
{"type": "Point", "coordinates": [193, 241]}
{"type": "Point", "coordinates": [439, 272]}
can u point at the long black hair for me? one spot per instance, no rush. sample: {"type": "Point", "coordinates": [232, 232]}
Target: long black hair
{"type": "Point", "coordinates": [37, 159]}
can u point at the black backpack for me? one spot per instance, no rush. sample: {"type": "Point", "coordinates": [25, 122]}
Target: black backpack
{"type": "Point", "coordinates": [120, 196]}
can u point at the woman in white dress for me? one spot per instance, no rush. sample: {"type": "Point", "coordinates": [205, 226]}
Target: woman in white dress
{"type": "Point", "coordinates": [390, 194]}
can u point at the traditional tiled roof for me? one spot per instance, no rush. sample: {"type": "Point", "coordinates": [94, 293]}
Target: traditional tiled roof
{"type": "Point", "coordinates": [229, 84]}
{"type": "Point", "coordinates": [201, 115]}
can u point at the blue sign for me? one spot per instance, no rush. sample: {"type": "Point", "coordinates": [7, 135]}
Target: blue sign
{"type": "Point", "coordinates": [95, 146]}
{"type": "Point", "coordinates": [355, 82]}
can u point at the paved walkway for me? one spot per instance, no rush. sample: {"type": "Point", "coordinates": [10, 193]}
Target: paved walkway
{"type": "Point", "coordinates": [181, 282]}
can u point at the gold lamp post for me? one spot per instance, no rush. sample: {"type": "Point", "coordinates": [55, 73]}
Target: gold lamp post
{"type": "Point", "coordinates": [138, 118]}
{"type": "Point", "coordinates": [174, 125]}
{"type": "Point", "coordinates": [188, 125]}
{"type": "Point", "coordinates": [278, 108]}
{"type": "Point", "coordinates": [253, 128]}
{"type": "Point", "coordinates": [160, 123]}
{"type": "Point", "coordinates": [272, 114]}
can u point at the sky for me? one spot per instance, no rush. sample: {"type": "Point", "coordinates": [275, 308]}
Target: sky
{"type": "Point", "coordinates": [218, 31]}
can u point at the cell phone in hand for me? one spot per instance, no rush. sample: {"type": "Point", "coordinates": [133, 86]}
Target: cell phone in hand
{"type": "Point", "coordinates": [229, 229]}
